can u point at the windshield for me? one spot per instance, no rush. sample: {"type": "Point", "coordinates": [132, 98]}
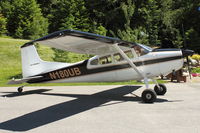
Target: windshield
{"type": "Point", "coordinates": [139, 49]}
{"type": "Point", "coordinates": [145, 47]}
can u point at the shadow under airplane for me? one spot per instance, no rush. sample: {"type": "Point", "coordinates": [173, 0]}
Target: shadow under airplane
{"type": "Point", "coordinates": [17, 94]}
{"type": "Point", "coordinates": [69, 108]}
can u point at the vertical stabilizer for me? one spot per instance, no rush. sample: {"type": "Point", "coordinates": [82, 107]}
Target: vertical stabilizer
{"type": "Point", "coordinates": [32, 65]}
{"type": "Point", "coordinates": [30, 61]}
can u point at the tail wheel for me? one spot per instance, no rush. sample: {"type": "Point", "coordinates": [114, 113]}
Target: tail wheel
{"type": "Point", "coordinates": [161, 89]}
{"type": "Point", "coordinates": [20, 89]}
{"type": "Point", "coordinates": [148, 96]}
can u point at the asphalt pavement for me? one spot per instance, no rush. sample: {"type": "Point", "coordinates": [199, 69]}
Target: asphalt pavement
{"type": "Point", "coordinates": [99, 109]}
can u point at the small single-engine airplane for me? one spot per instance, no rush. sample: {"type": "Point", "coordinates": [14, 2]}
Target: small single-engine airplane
{"type": "Point", "coordinates": [115, 60]}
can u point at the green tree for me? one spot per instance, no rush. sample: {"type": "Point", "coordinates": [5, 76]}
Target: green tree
{"type": "Point", "coordinates": [151, 13]}
{"type": "Point", "coordinates": [131, 31]}
{"type": "Point", "coordinates": [179, 16]}
{"type": "Point", "coordinates": [126, 19]}
{"type": "Point", "coordinates": [3, 22]}
{"type": "Point", "coordinates": [69, 14]}
{"type": "Point", "coordinates": [46, 6]}
{"type": "Point", "coordinates": [98, 29]}
{"type": "Point", "coordinates": [25, 19]}
{"type": "Point", "coordinates": [108, 13]}
{"type": "Point", "coordinates": [72, 14]}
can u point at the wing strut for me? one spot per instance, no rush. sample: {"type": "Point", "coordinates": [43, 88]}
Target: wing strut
{"type": "Point", "coordinates": [131, 64]}
{"type": "Point", "coordinates": [128, 60]}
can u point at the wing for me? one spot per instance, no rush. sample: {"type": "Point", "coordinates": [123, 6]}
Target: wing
{"type": "Point", "coordinates": [80, 42]}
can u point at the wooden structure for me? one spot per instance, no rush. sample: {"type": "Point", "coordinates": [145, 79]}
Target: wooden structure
{"type": "Point", "coordinates": [177, 75]}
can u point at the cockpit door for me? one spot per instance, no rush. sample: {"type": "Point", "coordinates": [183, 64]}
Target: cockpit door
{"type": "Point", "coordinates": [103, 69]}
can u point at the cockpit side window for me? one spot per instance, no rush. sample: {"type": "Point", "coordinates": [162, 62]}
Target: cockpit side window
{"type": "Point", "coordinates": [118, 57]}
{"type": "Point", "coordinates": [129, 54]}
{"type": "Point", "coordinates": [102, 60]}
{"type": "Point", "coordinates": [108, 59]}
{"type": "Point", "coordinates": [105, 60]}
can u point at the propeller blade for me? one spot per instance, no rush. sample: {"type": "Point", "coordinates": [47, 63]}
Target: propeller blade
{"type": "Point", "coordinates": [188, 65]}
{"type": "Point", "coordinates": [187, 53]}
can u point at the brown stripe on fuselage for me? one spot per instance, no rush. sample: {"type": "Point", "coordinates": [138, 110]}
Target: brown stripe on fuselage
{"type": "Point", "coordinates": [81, 69]}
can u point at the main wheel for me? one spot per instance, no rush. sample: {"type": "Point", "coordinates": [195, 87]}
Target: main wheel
{"type": "Point", "coordinates": [20, 89]}
{"type": "Point", "coordinates": [161, 90]}
{"type": "Point", "coordinates": [148, 96]}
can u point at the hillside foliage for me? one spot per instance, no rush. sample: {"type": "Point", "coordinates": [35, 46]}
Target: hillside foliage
{"type": "Point", "coordinates": [163, 23]}
{"type": "Point", "coordinates": [3, 22]}
{"type": "Point", "coordinates": [25, 19]}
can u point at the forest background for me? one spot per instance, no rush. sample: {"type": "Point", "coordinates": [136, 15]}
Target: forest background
{"type": "Point", "coordinates": [157, 23]}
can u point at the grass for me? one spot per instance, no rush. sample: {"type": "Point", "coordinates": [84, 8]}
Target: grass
{"type": "Point", "coordinates": [10, 58]}
{"type": "Point", "coordinates": [10, 63]}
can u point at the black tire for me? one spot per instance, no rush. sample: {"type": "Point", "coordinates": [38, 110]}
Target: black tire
{"type": "Point", "coordinates": [161, 90]}
{"type": "Point", "coordinates": [20, 89]}
{"type": "Point", "coordinates": [148, 96]}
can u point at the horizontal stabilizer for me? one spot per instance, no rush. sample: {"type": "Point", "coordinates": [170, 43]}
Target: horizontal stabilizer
{"type": "Point", "coordinates": [20, 81]}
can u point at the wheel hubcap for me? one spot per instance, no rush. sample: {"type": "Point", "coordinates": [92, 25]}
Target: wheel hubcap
{"type": "Point", "coordinates": [148, 96]}
{"type": "Point", "coordinates": [161, 89]}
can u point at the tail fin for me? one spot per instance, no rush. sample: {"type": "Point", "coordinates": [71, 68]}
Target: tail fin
{"type": "Point", "coordinates": [32, 64]}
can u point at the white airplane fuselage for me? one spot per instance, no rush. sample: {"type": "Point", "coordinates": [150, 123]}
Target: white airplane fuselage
{"type": "Point", "coordinates": [152, 64]}
{"type": "Point", "coordinates": [116, 60]}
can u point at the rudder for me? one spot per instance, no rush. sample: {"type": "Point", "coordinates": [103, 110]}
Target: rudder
{"type": "Point", "coordinates": [32, 65]}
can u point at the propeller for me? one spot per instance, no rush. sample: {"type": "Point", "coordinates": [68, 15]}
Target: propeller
{"type": "Point", "coordinates": [186, 52]}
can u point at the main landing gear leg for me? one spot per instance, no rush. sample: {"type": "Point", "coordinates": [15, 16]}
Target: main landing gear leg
{"type": "Point", "coordinates": [148, 95]}
{"type": "Point", "coordinates": [160, 89]}
{"type": "Point", "coordinates": [20, 89]}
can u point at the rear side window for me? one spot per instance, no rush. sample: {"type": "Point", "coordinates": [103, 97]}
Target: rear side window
{"type": "Point", "coordinates": [94, 62]}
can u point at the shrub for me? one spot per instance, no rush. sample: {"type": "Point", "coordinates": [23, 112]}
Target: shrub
{"type": "Point", "coordinates": [196, 57]}
{"type": "Point", "coordinates": [196, 70]}
{"type": "Point", "coordinates": [3, 22]}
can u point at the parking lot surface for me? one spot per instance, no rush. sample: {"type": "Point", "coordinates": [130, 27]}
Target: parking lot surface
{"type": "Point", "coordinates": [99, 109]}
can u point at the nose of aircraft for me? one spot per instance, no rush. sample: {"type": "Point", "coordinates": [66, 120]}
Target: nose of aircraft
{"type": "Point", "coordinates": [187, 52]}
